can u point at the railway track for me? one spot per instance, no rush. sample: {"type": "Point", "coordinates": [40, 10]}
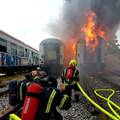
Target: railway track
{"type": "Point", "coordinates": [5, 108]}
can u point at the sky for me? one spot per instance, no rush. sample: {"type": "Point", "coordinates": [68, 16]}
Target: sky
{"type": "Point", "coordinates": [27, 20]}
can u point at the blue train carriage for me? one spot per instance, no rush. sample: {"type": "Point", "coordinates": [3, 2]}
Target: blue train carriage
{"type": "Point", "coordinates": [8, 62]}
{"type": "Point", "coordinates": [15, 55]}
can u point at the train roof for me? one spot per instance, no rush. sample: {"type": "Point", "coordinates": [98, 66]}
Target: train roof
{"type": "Point", "coordinates": [51, 40]}
{"type": "Point", "coordinates": [17, 40]}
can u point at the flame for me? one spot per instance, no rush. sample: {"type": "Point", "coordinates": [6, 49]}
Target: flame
{"type": "Point", "coordinates": [91, 31]}
{"type": "Point", "coordinates": [70, 50]}
{"type": "Point", "coordinates": [101, 32]}
{"type": "Point", "coordinates": [74, 49]}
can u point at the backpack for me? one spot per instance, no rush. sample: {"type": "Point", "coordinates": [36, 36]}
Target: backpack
{"type": "Point", "coordinates": [12, 87]}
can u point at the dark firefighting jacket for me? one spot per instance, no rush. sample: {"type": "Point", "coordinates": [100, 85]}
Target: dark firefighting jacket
{"type": "Point", "coordinates": [75, 76]}
{"type": "Point", "coordinates": [22, 89]}
{"type": "Point", "coordinates": [50, 99]}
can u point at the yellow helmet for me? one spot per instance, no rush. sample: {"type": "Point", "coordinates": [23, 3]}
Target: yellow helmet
{"type": "Point", "coordinates": [73, 62]}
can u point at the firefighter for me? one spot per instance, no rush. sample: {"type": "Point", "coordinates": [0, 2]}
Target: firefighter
{"type": "Point", "coordinates": [50, 80]}
{"type": "Point", "coordinates": [41, 105]}
{"type": "Point", "coordinates": [35, 75]}
{"type": "Point", "coordinates": [22, 88]}
{"type": "Point", "coordinates": [38, 77]}
{"type": "Point", "coordinates": [42, 78]}
{"type": "Point", "coordinates": [70, 76]}
{"type": "Point", "coordinates": [50, 98]}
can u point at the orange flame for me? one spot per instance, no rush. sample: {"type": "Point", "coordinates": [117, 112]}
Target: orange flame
{"type": "Point", "coordinates": [70, 50]}
{"type": "Point", "coordinates": [91, 31]}
{"type": "Point", "coordinates": [101, 32]}
{"type": "Point", "coordinates": [74, 49]}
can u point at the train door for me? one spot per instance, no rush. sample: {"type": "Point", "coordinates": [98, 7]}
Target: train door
{"type": "Point", "coordinates": [80, 54]}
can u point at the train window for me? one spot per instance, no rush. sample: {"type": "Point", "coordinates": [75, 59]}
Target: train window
{"type": "Point", "coordinates": [26, 53]}
{"type": "Point", "coordinates": [42, 56]}
{"type": "Point", "coordinates": [13, 49]}
{"type": "Point", "coordinates": [51, 55]}
{"type": "Point", "coordinates": [3, 42]}
{"type": "Point", "coordinates": [3, 45]}
{"type": "Point", "coordinates": [32, 53]}
{"type": "Point", "coordinates": [3, 49]}
{"type": "Point", "coordinates": [21, 51]}
{"type": "Point", "coordinates": [51, 52]}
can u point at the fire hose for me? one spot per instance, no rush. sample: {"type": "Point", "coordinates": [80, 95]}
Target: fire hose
{"type": "Point", "coordinates": [109, 102]}
{"type": "Point", "coordinates": [116, 116]}
{"type": "Point", "coordinates": [14, 117]}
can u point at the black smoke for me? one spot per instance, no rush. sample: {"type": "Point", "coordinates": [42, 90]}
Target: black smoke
{"type": "Point", "coordinates": [72, 16]}
{"type": "Point", "coordinates": [107, 11]}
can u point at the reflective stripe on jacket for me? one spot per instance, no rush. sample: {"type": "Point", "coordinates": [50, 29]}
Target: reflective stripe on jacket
{"type": "Point", "coordinates": [50, 101]}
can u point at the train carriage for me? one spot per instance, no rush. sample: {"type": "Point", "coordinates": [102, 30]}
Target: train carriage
{"type": "Point", "coordinates": [51, 52]}
{"type": "Point", "coordinates": [16, 55]}
{"type": "Point", "coordinates": [90, 61]}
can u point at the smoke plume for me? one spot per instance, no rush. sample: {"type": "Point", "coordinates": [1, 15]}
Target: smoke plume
{"type": "Point", "coordinates": [72, 17]}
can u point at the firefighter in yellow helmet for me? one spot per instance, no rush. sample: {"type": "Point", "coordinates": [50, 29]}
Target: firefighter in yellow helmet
{"type": "Point", "coordinates": [73, 61]}
{"type": "Point", "coordinates": [70, 76]}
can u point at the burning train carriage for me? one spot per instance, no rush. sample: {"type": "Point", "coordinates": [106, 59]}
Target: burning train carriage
{"type": "Point", "coordinates": [93, 52]}
{"type": "Point", "coordinates": [90, 61]}
{"type": "Point", "coordinates": [15, 55]}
